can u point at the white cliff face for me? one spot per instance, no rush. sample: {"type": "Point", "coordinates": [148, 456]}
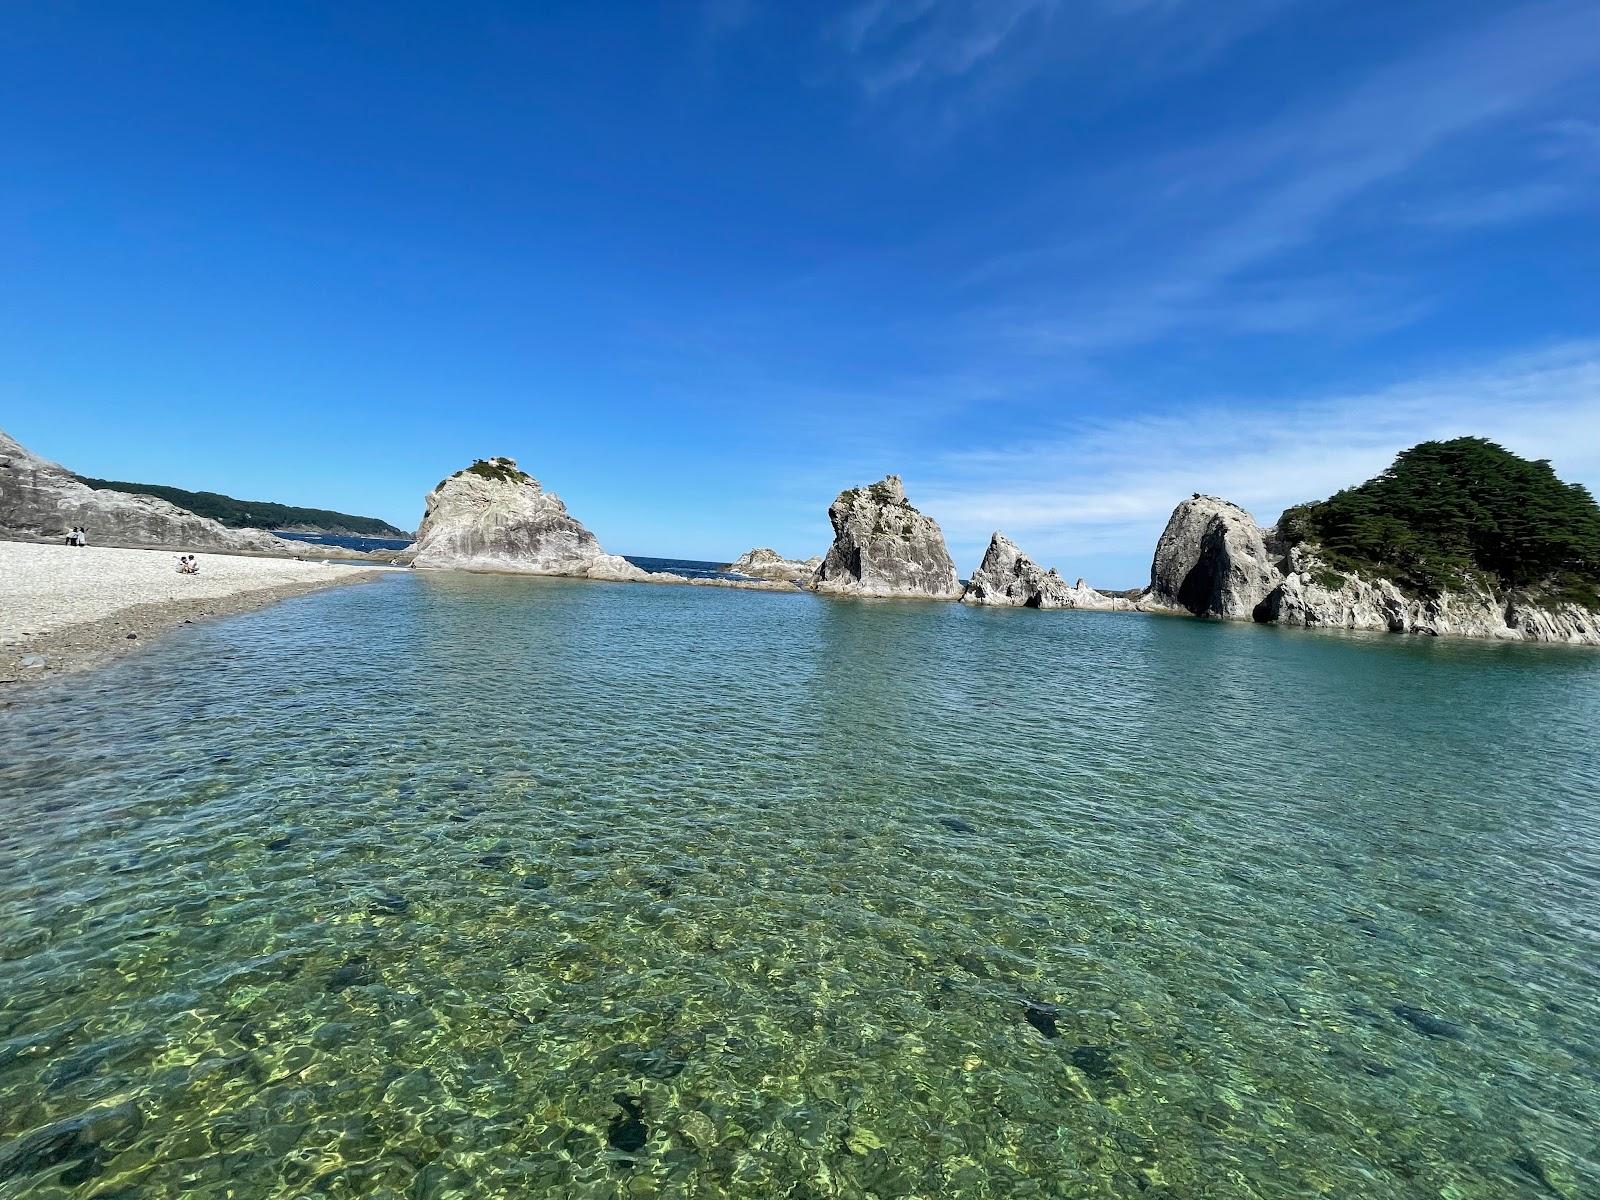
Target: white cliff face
{"type": "Point", "coordinates": [1008, 577]}
{"type": "Point", "coordinates": [762, 563]}
{"type": "Point", "coordinates": [494, 517]}
{"type": "Point", "coordinates": [41, 499]}
{"type": "Point", "coordinates": [883, 547]}
{"type": "Point", "coordinates": [1212, 561]}
{"type": "Point", "coordinates": [1314, 595]}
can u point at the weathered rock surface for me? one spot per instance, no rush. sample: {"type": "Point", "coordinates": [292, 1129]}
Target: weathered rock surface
{"type": "Point", "coordinates": [762, 563]}
{"type": "Point", "coordinates": [1313, 595]}
{"type": "Point", "coordinates": [884, 547]}
{"type": "Point", "coordinates": [1008, 577]}
{"type": "Point", "coordinates": [493, 517]}
{"type": "Point", "coordinates": [1212, 561]}
{"type": "Point", "coordinates": [41, 499]}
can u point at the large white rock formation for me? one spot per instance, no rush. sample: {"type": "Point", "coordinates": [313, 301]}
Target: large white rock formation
{"type": "Point", "coordinates": [883, 547]}
{"type": "Point", "coordinates": [1212, 561]}
{"type": "Point", "coordinates": [492, 516]}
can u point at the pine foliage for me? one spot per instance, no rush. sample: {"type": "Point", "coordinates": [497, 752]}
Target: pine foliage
{"type": "Point", "coordinates": [1448, 512]}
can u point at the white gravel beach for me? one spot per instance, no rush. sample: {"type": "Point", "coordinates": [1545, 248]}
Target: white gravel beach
{"type": "Point", "coordinates": [64, 607]}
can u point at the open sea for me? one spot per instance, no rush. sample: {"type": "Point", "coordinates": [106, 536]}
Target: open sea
{"type": "Point", "coordinates": [460, 886]}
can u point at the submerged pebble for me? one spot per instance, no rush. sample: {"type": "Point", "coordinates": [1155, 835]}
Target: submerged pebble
{"type": "Point", "coordinates": [356, 972]}
{"type": "Point", "coordinates": [1426, 1023]}
{"type": "Point", "coordinates": [627, 1131]}
{"type": "Point", "coordinates": [1094, 1061]}
{"type": "Point", "coordinates": [957, 825]}
{"type": "Point", "coordinates": [388, 905]}
{"type": "Point", "coordinates": [1042, 1017]}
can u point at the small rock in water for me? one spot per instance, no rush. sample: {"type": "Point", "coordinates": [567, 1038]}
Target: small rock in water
{"type": "Point", "coordinates": [1094, 1061]}
{"type": "Point", "coordinates": [76, 1141]}
{"type": "Point", "coordinates": [627, 1131]}
{"type": "Point", "coordinates": [388, 904]}
{"type": "Point", "coordinates": [32, 662]}
{"type": "Point", "coordinates": [491, 860]}
{"type": "Point", "coordinates": [535, 881]}
{"type": "Point", "coordinates": [1426, 1023]}
{"type": "Point", "coordinates": [282, 843]}
{"type": "Point", "coordinates": [956, 825]}
{"type": "Point", "coordinates": [355, 973]}
{"type": "Point", "coordinates": [1041, 1016]}
{"type": "Point", "coordinates": [133, 637]}
{"type": "Point", "coordinates": [1534, 1169]}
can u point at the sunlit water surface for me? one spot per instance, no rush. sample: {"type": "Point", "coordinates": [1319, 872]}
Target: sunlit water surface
{"type": "Point", "coordinates": [446, 887]}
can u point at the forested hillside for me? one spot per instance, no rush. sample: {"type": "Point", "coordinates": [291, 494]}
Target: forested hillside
{"type": "Point", "coordinates": [1445, 511]}
{"type": "Point", "coordinates": [255, 514]}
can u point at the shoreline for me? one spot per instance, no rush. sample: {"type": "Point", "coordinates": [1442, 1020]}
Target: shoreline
{"type": "Point", "coordinates": [64, 611]}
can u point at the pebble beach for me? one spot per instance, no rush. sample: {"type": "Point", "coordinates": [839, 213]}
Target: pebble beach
{"type": "Point", "coordinates": [63, 607]}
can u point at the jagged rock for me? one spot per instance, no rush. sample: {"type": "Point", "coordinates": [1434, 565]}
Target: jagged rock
{"type": "Point", "coordinates": [1008, 577]}
{"type": "Point", "coordinates": [1314, 595]}
{"type": "Point", "coordinates": [762, 563]}
{"type": "Point", "coordinates": [884, 547]}
{"type": "Point", "coordinates": [42, 499]}
{"type": "Point", "coordinates": [493, 517]}
{"type": "Point", "coordinates": [1211, 561]}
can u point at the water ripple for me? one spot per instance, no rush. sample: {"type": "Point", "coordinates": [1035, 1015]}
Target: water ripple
{"type": "Point", "coordinates": [466, 887]}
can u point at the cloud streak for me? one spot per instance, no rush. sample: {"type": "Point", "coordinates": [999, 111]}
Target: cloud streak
{"type": "Point", "coordinates": [1101, 490]}
{"type": "Point", "coordinates": [1213, 215]}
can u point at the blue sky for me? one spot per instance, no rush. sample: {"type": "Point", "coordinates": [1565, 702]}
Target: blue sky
{"type": "Point", "coordinates": [698, 266]}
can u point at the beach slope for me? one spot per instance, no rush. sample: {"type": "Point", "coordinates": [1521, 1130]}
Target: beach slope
{"type": "Point", "coordinates": [63, 608]}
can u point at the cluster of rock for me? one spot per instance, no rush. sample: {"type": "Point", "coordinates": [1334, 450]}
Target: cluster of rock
{"type": "Point", "coordinates": [884, 548]}
{"type": "Point", "coordinates": [492, 516]}
{"type": "Point", "coordinates": [762, 563]}
{"type": "Point", "coordinates": [1213, 560]}
{"type": "Point", "coordinates": [1008, 577]}
{"type": "Point", "coordinates": [42, 500]}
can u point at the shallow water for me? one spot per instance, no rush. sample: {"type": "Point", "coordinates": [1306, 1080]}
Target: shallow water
{"type": "Point", "coordinates": [455, 886]}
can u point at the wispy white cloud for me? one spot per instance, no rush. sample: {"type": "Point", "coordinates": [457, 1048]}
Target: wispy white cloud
{"type": "Point", "coordinates": [1502, 206]}
{"type": "Point", "coordinates": [1209, 216]}
{"type": "Point", "coordinates": [1097, 492]}
{"type": "Point", "coordinates": [900, 42]}
{"type": "Point", "coordinates": [970, 52]}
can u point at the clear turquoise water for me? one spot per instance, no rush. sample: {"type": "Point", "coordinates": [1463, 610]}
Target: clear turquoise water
{"type": "Point", "coordinates": [453, 887]}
